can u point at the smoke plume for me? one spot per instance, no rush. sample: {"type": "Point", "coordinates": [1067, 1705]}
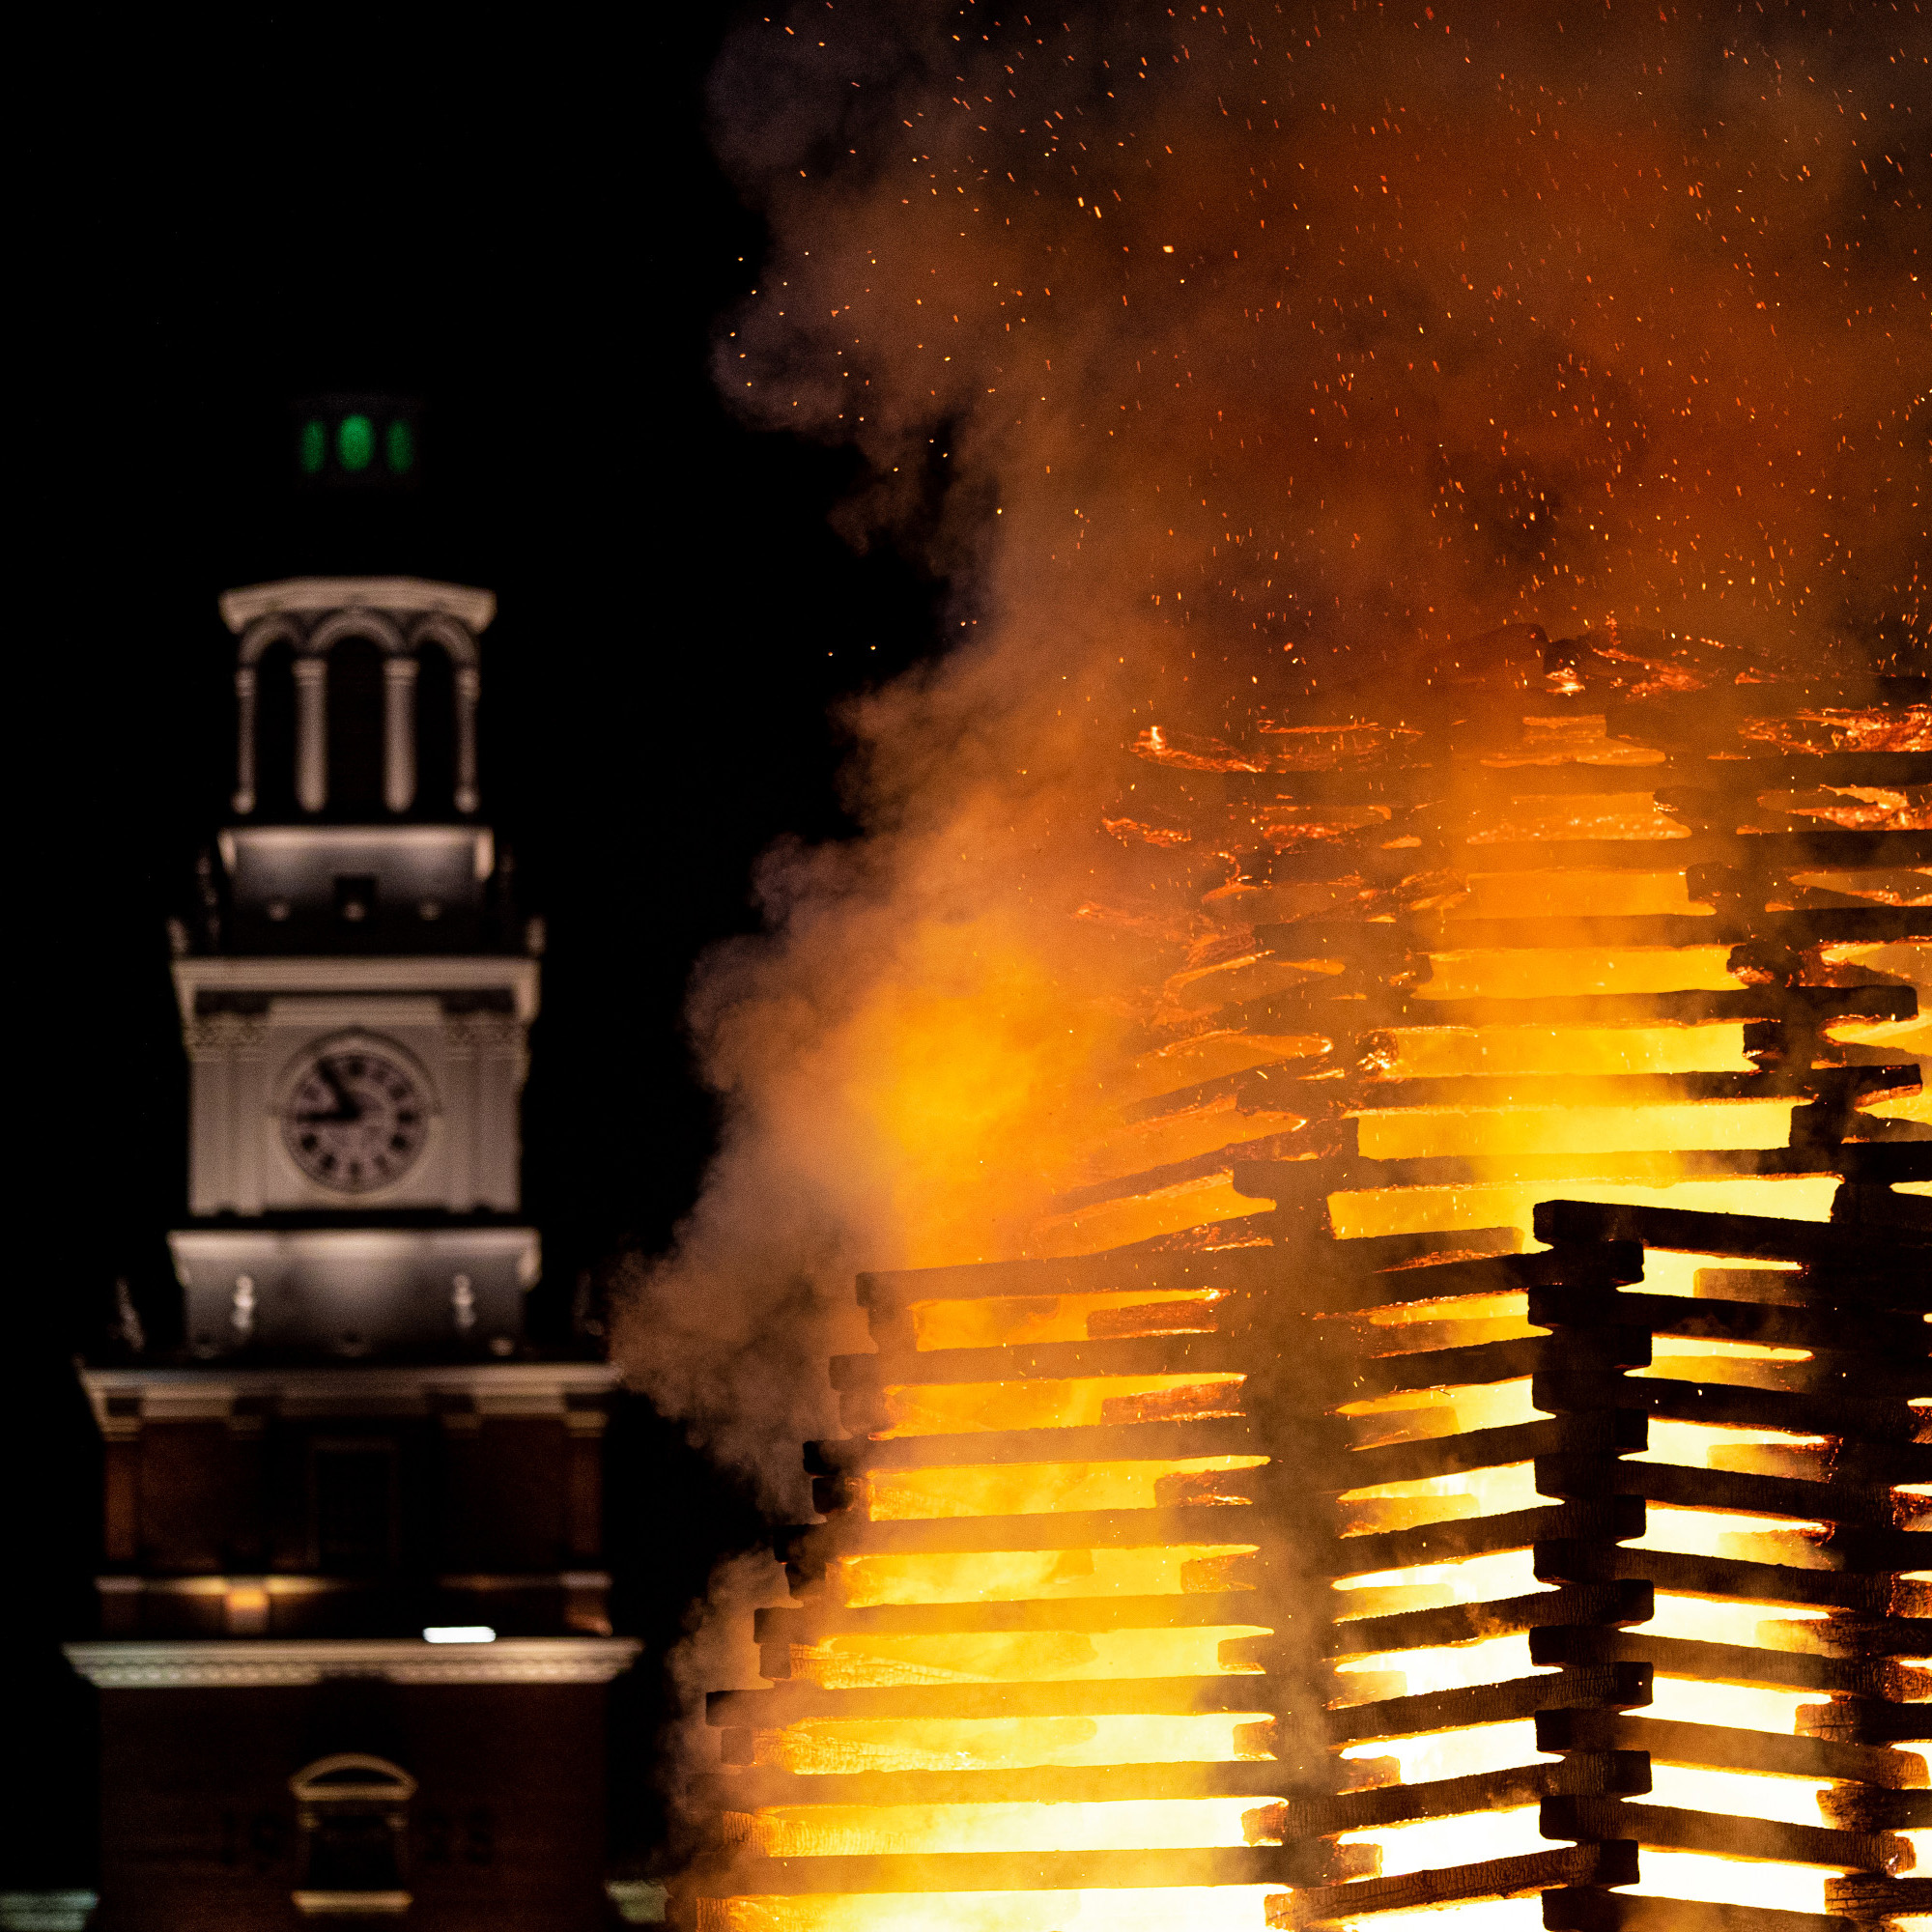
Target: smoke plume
{"type": "Point", "coordinates": [1220, 355]}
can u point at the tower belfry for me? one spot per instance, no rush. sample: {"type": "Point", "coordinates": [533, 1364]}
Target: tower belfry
{"type": "Point", "coordinates": [353, 1623]}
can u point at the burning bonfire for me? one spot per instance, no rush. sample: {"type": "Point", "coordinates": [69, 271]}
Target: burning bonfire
{"type": "Point", "coordinates": [1468, 1449]}
{"type": "Point", "coordinates": [1452, 1434]}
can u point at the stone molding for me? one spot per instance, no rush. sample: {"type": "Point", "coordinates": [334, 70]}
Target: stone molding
{"type": "Point", "coordinates": [308, 594]}
{"type": "Point", "coordinates": [294, 977]}
{"type": "Point", "coordinates": [215, 1035]}
{"type": "Point", "coordinates": [274, 1662]}
{"type": "Point", "coordinates": [211, 1394]}
{"type": "Point", "coordinates": [47, 1910]}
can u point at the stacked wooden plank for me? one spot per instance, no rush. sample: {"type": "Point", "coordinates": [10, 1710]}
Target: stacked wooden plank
{"type": "Point", "coordinates": [1581, 855]}
{"type": "Point", "coordinates": [1303, 1566]}
{"type": "Point", "coordinates": [1043, 1652]}
{"type": "Point", "coordinates": [1826, 1442]}
{"type": "Point", "coordinates": [1612, 1585]}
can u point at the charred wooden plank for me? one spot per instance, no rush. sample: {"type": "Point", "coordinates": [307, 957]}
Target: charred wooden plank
{"type": "Point", "coordinates": [1861, 1809]}
{"type": "Point", "coordinates": [1727, 1747]}
{"type": "Point", "coordinates": [1816, 1288]}
{"type": "Point", "coordinates": [1682, 1488]}
{"type": "Point", "coordinates": [1726, 1662]}
{"type": "Point", "coordinates": [1445, 931]}
{"type": "Point", "coordinates": [1869, 1160]}
{"type": "Point", "coordinates": [783, 1624]}
{"type": "Point", "coordinates": [1308, 1140]}
{"type": "Point", "coordinates": [1301, 1008]}
{"type": "Point", "coordinates": [1611, 1519]}
{"type": "Point", "coordinates": [1351, 1339]}
{"type": "Point", "coordinates": [1155, 1265]}
{"type": "Point", "coordinates": [1800, 1412]}
{"type": "Point", "coordinates": [1839, 1332]}
{"type": "Point", "coordinates": [1608, 1862]}
{"type": "Point", "coordinates": [1748, 776]}
{"type": "Point", "coordinates": [1817, 848]}
{"type": "Point", "coordinates": [1429, 778]}
{"type": "Point", "coordinates": [1204, 1355]}
{"type": "Point", "coordinates": [1830, 1462]}
{"type": "Point", "coordinates": [1627, 1601]}
{"type": "Point", "coordinates": [1119, 1442]}
{"type": "Point", "coordinates": [917, 1872]}
{"type": "Point", "coordinates": [793, 1703]}
{"type": "Point", "coordinates": [1746, 1237]}
{"type": "Point", "coordinates": [1499, 1361]}
{"type": "Point", "coordinates": [1622, 1683]}
{"type": "Point", "coordinates": [1896, 1216]}
{"type": "Point", "coordinates": [1345, 1285]}
{"type": "Point", "coordinates": [1600, 1432]}
{"type": "Point", "coordinates": [1724, 1833]}
{"type": "Point", "coordinates": [1840, 1085]}
{"type": "Point", "coordinates": [1608, 1263]}
{"type": "Point", "coordinates": [1043, 1784]}
{"type": "Point", "coordinates": [849, 1535]}
{"type": "Point", "coordinates": [1842, 1288]}
{"type": "Point", "coordinates": [1864, 1719]}
{"type": "Point", "coordinates": [1398, 1254]}
{"type": "Point", "coordinates": [1625, 1772]}
{"type": "Point", "coordinates": [1694, 719]}
{"type": "Point", "coordinates": [1853, 1635]}
{"type": "Point", "coordinates": [1866, 1896]}
{"type": "Point", "coordinates": [1588, 1909]}
{"type": "Point", "coordinates": [1728, 1577]}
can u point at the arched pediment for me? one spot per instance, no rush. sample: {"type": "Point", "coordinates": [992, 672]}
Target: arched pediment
{"type": "Point", "coordinates": [360, 622]}
{"type": "Point", "coordinates": [264, 633]}
{"type": "Point", "coordinates": [439, 628]}
{"type": "Point", "coordinates": [352, 1777]}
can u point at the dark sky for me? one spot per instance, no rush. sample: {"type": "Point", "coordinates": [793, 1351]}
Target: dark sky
{"type": "Point", "coordinates": [519, 224]}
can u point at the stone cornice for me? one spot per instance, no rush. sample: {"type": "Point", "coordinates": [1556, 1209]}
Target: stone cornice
{"type": "Point", "coordinates": [241, 608]}
{"type": "Point", "coordinates": [295, 976]}
{"type": "Point", "coordinates": [483, 1388]}
{"type": "Point", "coordinates": [274, 1662]}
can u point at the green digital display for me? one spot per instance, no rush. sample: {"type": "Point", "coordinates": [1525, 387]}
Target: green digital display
{"type": "Point", "coordinates": [313, 449]}
{"type": "Point", "coordinates": [400, 445]}
{"type": "Point", "coordinates": [355, 443]}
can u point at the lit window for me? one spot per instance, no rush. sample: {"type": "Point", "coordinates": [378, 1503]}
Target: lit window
{"type": "Point", "coordinates": [355, 443]}
{"type": "Point", "coordinates": [351, 1812]}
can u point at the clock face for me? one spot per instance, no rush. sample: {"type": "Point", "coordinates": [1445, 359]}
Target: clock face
{"type": "Point", "coordinates": [356, 1119]}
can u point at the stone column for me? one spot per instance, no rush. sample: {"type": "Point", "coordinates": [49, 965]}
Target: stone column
{"type": "Point", "coordinates": [399, 732]}
{"type": "Point", "coordinates": [120, 1427]}
{"type": "Point", "coordinates": [311, 733]}
{"type": "Point", "coordinates": [467, 684]}
{"type": "Point", "coordinates": [244, 738]}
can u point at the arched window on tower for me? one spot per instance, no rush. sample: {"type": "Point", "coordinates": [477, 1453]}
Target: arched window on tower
{"type": "Point", "coordinates": [353, 1817]}
{"type": "Point", "coordinates": [267, 756]}
{"type": "Point", "coordinates": [275, 734]}
{"type": "Point", "coordinates": [439, 640]}
{"type": "Point", "coordinates": [355, 729]}
{"type": "Point", "coordinates": [436, 731]}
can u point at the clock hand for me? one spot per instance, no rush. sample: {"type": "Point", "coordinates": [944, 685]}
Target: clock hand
{"type": "Point", "coordinates": [348, 1107]}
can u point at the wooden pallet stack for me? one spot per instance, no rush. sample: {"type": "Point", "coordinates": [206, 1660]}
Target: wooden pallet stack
{"type": "Point", "coordinates": [1614, 1589]}
{"type": "Point", "coordinates": [1313, 1564]}
{"type": "Point", "coordinates": [1075, 1643]}
{"type": "Point", "coordinates": [1819, 1587]}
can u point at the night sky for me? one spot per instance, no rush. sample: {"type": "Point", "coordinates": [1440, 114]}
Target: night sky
{"type": "Point", "coordinates": [525, 230]}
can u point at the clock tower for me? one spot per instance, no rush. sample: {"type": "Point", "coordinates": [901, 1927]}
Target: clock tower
{"type": "Point", "coordinates": [354, 1628]}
